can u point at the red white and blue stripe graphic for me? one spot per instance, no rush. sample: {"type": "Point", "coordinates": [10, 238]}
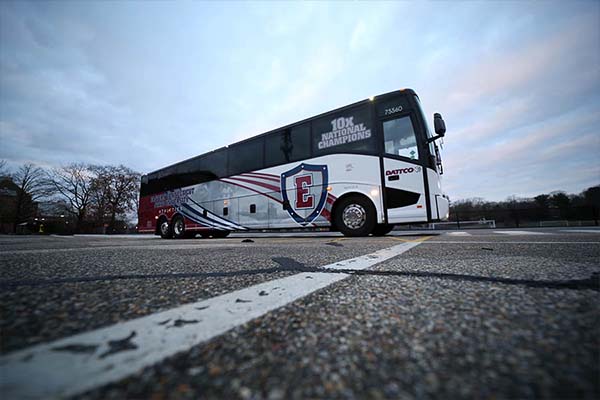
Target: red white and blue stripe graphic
{"type": "Point", "coordinates": [269, 185]}
{"type": "Point", "coordinates": [200, 215]}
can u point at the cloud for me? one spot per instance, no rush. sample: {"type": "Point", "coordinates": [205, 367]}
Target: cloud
{"type": "Point", "coordinates": [359, 37]}
{"type": "Point", "coordinates": [570, 147]}
{"type": "Point", "coordinates": [518, 84]}
{"type": "Point", "coordinates": [299, 95]}
{"type": "Point", "coordinates": [498, 77]}
{"type": "Point", "coordinates": [516, 113]}
{"type": "Point", "coordinates": [532, 160]}
{"type": "Point", "coordinates": [488, 122]}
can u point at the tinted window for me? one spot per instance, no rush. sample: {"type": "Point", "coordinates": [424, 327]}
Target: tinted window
{"type": "Point", "coordinates": [215, 163]}
{"type": "Point", "coordinates": [428, 134]}
{"type": "Point", "coordinates": [157, 182]}
{"type": "Point", "coordinates": [194, 171]}
{"type": "Point", "coordinates": [145, 186]}
{"type": "Point", "coordinates": [399, 138]}
{"type": "Point", "coordinates": [288, 145]}
{"type": "Point", "coordinates": [247, 156]}
{"type": "Point", "coordinates": [346, 131]}
{"type": "Point", "coordinates": [191, 172]}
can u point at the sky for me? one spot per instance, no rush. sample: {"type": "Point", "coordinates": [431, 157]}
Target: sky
{"type": "Point", "coordinates": [147, 84]}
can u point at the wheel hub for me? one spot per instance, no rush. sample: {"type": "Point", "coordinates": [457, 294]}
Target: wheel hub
{"type": "Point", "coordinates": [178, 228]}
{"type": "Point", "coordinates": [354, 216]}
{"type": "Point", "coordinates": [164, 228]}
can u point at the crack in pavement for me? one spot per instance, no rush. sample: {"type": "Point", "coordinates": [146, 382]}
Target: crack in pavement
{"type": "Point", "coordinates": [181, 322]}
{"type": "Point", "coordinates": [592, 283]}
{"type": "Point", "coordinates": [287, 264]}
{"type": "Point", "coordinates": [77, 348]}
{"type": "Point", "coordinates": [117, 346]}
{"type": "Point", "coordinates": [43, 282]}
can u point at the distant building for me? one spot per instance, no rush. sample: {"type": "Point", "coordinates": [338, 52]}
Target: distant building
{"type": "Point", "coordinates": [51, 209]}
{"type": "Point", "coordinates": [8, 202]}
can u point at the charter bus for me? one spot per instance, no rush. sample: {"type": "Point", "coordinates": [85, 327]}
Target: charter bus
{"type": "Point", "coordinates": [359, 169]}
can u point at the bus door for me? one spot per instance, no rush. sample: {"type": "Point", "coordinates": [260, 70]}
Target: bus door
{"type": "Point", "coordinates": [404, 187]}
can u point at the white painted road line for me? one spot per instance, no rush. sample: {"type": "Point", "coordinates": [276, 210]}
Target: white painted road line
{"type": "Point", "coordinates": [85, 361]}
{"type": "Point", "coordinates": [582, 230]}
{"type": "Point", "coordinates": [459, 234]}
{"type": "Point", "coordinates": [506, 242]}
{"type": "Point", "coordinates": [522, 233]}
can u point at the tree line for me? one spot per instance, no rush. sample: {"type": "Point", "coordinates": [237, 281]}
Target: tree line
{"type": "Point", "coordinates": [88, 195]}
{"type": "Point", "coordinates": [101, 196]}
{"type": "Point", "coordinates": [557, 205]}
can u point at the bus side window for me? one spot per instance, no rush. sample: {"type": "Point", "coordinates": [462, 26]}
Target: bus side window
{"type": "Point", "coordinates": [399, 138]}
{"type": "Point", "coordinates": [214, 164]}
{"type": "Point", "coordinates": [246, 156]}
{"type": "Point", "coordinates": [194, 171]}
{"type": "Point", "coordinates": [288, 145]}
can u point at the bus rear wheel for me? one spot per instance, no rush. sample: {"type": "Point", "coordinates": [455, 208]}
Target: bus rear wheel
{"type": "Point", "coordinates": [178, 227]}
{"type": "Point", "coordinates": [355, 216]}
{"type": "Point", "coordinates": [165, 229]}
{"type": "Point", "coordinates": [382, 229]}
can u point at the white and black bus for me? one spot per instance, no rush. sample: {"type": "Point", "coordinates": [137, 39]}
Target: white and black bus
{"type": "Point", "coordinates": [359, 169]}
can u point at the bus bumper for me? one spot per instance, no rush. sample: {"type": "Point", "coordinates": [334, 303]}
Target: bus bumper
{"type": "Point", "coordinates": [443, 207]}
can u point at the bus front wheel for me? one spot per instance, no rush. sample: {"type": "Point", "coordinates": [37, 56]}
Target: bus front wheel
{"type": "Point", "coordinates": [355, 216]}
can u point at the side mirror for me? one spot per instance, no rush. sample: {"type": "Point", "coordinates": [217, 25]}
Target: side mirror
{"type": "Point", "coordinates": [439, 125]}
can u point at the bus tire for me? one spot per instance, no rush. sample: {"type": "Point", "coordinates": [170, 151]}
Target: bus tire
{"type": "Point", "coordinates": [164, 228]}
{"type": "Point", "coordinates": [382, 229]}
{"type": "Point", "coordinates": [178, 227]}
{"type": "Point", "coordinates": [220, 234]}
{"type": "Point", "coordinates": [205, 235]}
{"type": "Point", "coordinates": [355, 216]}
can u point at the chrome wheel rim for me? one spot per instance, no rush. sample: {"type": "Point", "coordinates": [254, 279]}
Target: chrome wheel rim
{"type": "Point", "coordinates": [178, 228]}
{"type": "Point", "coordinates": [164, 228]}
{"type": "Point", "coordinates": [354, 216]}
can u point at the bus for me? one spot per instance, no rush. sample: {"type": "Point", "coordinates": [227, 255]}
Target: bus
{"type": "Point", "coordinates": [360, 170]}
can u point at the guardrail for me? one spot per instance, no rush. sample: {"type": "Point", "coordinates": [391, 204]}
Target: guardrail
{"type": "Point", "coordinates": [565, 223]}
{"type": "Point", "coordinates": [513, 217]}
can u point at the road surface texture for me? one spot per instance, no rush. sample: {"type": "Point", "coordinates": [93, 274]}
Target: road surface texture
{"type": "Point", "coordinates": [467, 314]}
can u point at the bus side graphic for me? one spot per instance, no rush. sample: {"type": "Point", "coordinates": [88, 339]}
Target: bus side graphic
{"type": "Point", "coordinates": [181, 201]}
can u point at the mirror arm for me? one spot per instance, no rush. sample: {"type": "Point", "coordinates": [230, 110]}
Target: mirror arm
{"type": "Point", "coordinates": [434, 138]}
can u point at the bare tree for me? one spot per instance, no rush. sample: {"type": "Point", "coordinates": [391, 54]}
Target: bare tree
{"type": "Point", "coordinates": [99, 195]}
{"type": "Point", "coordinates": [117, 190]}
{"type": "Point", "coordinates": [74, 184]}
{"type": "Point", "coordinates": [33, 185]}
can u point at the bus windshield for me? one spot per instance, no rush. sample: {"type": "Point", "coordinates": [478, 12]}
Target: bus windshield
{"type": "Point", "coordinates": [433, 148]}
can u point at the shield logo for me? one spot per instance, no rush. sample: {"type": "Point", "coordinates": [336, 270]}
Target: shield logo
{"type": "Point", "coordinates": [304, 191]}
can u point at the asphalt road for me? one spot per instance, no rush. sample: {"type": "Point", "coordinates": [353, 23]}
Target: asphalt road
{"type": "Point", "coordinates": [471, 314]}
